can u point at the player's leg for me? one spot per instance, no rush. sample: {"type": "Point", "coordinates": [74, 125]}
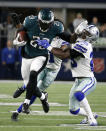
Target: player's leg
{"type": "Point", "coordinates": [40, 78]}
{"type": "Point", "coordinates": [19, 91]}
{"type": "Point", "coordinates": [87, 89]}
{"type": "Point", "coordinates": [37, 65]}
{"type": "Point", "coordinates": [74, 105]}
{"type": "Point", "coordinates": [45, 78]}
{"type": "Point", "coordinates": [16, 113]}
{"type": "Point", "coordinates": [49, 78]}
{"type": "Point", "coordinates": [84, 87]}
{"type": "Point", "coordinates": [25, 71]}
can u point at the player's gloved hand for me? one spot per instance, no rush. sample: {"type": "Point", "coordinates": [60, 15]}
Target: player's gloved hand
{"type": "Point", "coordinates": [81, 27]}
{"type": "Point", "coordinates": [45, 44]}
{"type": "Point", "coordinates": [16, 42]}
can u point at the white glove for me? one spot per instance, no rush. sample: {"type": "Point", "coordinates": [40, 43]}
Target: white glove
{"type": "Point", "coordinates": [81, 27]}
{"type": "Point", "coordinates": [18, 43]}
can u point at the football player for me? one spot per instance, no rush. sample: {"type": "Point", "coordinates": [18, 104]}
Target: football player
{"type": "Point", "coordinates": [81, 54]}
{"type": "Point", "coordinates": [34, 57]}
{"type": "Point", "coordinates": [46, 77]}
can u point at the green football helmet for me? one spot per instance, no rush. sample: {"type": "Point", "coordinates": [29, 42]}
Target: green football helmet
{"type": "Point", "coordinates": [46, 18]}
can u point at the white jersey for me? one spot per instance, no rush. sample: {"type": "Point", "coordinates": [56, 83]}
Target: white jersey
{"type": "Point", "coordinates": [83, 67]}
{"type": "Point", "coordinates": [53, 61]}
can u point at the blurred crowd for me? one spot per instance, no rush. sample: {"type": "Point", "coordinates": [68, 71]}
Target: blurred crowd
{"type": "Point", "coordinates": [10, 57]}
{"type": "Point", "coordinates": [79, 18]}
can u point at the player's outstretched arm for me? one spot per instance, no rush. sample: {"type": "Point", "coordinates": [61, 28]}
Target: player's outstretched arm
{"type": "Point", "coordinates": [62, 53]}
{"type": "Point", "coordinates": [71, 38]}
{"type": "Point", "coordinates": [58, 52]}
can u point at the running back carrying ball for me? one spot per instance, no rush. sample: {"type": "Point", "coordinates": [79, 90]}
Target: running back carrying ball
{"type": "Point", "coordinates": [21, 39]}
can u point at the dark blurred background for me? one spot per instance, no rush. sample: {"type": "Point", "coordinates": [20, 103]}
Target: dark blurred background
{"type": "Point", "coordinates": [70, 12]}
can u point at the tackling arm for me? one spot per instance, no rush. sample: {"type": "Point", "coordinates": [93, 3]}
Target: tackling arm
{"type": "Point", "coordinates": [62, 53]}
{"type": "Point", "coordinates": [68, 53]}
{"type": "Point", "coordinates": [71, 38]}
{"type": "Point", "coordinates": [68, 37]}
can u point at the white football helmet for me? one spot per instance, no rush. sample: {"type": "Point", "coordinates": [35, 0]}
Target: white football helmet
{"type": "Point", "coordinates": [93, 33]}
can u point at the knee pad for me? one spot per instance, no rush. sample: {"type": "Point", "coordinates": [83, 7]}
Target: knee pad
{"type": "Point", "coordinates": [74, 112]}
{"type": "Point", "coordinates": [79, 95]}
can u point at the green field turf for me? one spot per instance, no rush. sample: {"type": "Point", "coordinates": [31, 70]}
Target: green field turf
{"type": "Point", "coordinates": [58, 119]}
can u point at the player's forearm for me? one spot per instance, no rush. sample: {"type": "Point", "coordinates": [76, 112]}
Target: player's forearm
{"type": "Point", "coordinates": [68, 37]}
{"type": "Point", "coordinates": [60, 53]}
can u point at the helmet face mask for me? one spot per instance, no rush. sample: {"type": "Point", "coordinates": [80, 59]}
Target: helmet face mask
{"type": "Point", "coordinates": [93, 33]}
{"type": "Point", "coordinates": [45, 18]}
{"type": "Point", "coordinates": [44, 26]}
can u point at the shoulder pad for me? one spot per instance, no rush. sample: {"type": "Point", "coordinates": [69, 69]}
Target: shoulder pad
{"type": "Point", "coordinates": [59, 26]}
{"type": "Point", "coordinates": [29, 21]}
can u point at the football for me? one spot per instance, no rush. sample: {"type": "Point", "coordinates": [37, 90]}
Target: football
{"type": "Point", "coordinates": [23, 36]}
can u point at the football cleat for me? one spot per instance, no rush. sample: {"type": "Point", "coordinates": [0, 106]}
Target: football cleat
{"type": "Point", "coordinates": [92, 122]}
{"type": "Point", "coordinates": [18, 92]}
{"type": "Point", "coordinates": [45, 104]}
{"type": "Point", "coordinates": [25, 108]}
{"type": "Point", "coordinates": [14, 116]}
{"type": "Point", "coordinates": [85, 120]}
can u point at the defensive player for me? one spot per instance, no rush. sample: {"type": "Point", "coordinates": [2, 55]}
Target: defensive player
{"type": "Point", "coordinates": [81, 54]}
{"type": "Point", "coordinates": [34, 57]}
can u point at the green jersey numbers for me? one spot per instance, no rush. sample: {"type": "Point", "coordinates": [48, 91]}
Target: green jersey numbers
{"type": "Point", "coordinates": [31, 24]}
{"type": "Point", "coordinates": [34, 44]}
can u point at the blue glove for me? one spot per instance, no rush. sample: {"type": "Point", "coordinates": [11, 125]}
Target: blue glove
{"type": "Point", "coordinates": [44, 43]}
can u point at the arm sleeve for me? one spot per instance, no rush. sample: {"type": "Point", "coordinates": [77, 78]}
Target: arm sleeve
{"type": "Point", "coordinates": [65, 36]}
{"type": "Point", "coordinates": [68, 37]}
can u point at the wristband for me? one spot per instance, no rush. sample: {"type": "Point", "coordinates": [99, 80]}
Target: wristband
{"type": "Point", "coordinates": [49, 48]}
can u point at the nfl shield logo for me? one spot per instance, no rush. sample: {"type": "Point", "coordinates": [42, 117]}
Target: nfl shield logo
{"type": "Point", "coordinates": [99, 65]}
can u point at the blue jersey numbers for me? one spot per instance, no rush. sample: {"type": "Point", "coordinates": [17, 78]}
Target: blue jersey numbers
{"type": "Point", "coordinates": [73, 63]}
{"type": "Point", "coordinates": [91, 62]}
{"type": "Point", "coordinates": [51, 60]}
